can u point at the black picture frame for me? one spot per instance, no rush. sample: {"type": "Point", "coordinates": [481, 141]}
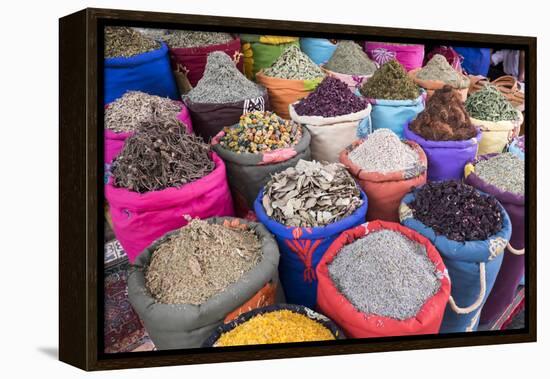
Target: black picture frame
{"type": "Point", "coordinates": [81, 189]}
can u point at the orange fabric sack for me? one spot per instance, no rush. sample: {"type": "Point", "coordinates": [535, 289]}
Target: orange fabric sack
{"type": "Point", "coordinates": [283, 92]}
{"type": "Point", "coordinates": [385, 190]}
{"type": "Point", "coordinates": [264, 297]}
{"type": "Point", "coordinates": [431, 85]}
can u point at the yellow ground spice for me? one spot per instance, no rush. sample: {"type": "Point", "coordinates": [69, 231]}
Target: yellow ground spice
{"type": "Point", "coordinates": [276, 327]}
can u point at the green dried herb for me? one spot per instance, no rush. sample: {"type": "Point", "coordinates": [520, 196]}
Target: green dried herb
{"type": "Point", "coordinates": [350, 59]}
{"type": "Point", "coordinates": [126, 42]}
{"type": "Point", "coordinates": [189, 38]}
{"type": "Point", "coordinates": [390, 82]}
{"type": "Point", "coordinates": [488, 104]}
{"type": "Point", "coordinates": [439, 69]}
{"type": "Point", "coordinates": [295, 65]}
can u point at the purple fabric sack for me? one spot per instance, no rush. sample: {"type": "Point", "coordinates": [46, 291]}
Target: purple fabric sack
{"type": "Point", "coordinates": [513, 264]}
{"type": "Point", "coordinates": [446, 159]}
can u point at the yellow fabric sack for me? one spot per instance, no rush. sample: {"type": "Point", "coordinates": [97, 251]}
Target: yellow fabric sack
{"type": "Point", "coordinates": [496, 134]}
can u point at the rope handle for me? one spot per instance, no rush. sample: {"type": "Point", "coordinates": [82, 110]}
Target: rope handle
{"type": "Point", "coordinates": [479, 300]}
{"type": "Point", "coordinates": [515, 251]}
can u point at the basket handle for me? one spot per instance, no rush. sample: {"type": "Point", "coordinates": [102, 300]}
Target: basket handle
{"type": "Point", "coordinates": [479, 300]}
{"type": "Point", "coordinates": [514, 251]}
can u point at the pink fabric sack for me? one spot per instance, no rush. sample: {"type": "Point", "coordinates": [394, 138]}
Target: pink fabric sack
{"type": "Point", "coordinates": [410, 56]}
{"type": "Point", "coordinates": [139, 219]}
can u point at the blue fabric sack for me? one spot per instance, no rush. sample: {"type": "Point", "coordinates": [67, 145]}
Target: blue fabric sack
{"type": "Point", "coordinates": [319, 50]}
{"type": "Point", "coordinates": [148, 72]}
{"type": "Point", "coordinates": [476, 61]}
{"type": "Point", "coordinates": [472, 265]}
{"type": "Point", "coordinates": [301, 250]}
{"type": "Point", "coordinates": [514, 149]}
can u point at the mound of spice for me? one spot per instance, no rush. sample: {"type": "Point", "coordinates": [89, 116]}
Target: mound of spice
{"type": "Point", "coordinates": [457, 211]}
{"type": "Point", "coordinates": [200, 261]}
{"type": "Point", "coordinates": [159, 156]}
{"type": "Point", "coordinates": [282, 326]}
{"type": "Point", "coordinates": [330, 99]}
{"type": "Point", "coordinates": [311, 194]}
{"type": "Point", "coordinates": [505, 171]}
{"type": "Point", "coordinates": [390, 82]}
{"type": "Point", "coordinates": [385, 274]}
{"type": "Point", "coordinates": [350, 59]}
{"type": "Point", "coordinates": [439, 69]}
{"type": "Point", "coordinates": [189, 38]}
{"type": "Point", "coordinates": [293, 64]}
{"type": "Point", "coordinates": [444, 118]}
{"type": "Point", "coordinates": [384, 152]}
{"type": "Point", "coordinates": [134, 108]}
{"type": "Point", "coordinates": [488, 104]}
{"type": "Point", "coordinates": [258, 132]}
{"type": "Point", "coordinates": [126, 42]}
{"type": "Point", "coordinates": [222, 82]}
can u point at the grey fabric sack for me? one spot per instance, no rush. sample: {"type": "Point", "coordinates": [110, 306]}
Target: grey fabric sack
{"type": "Point", "coordinates": [181, 326]}
{"type": "Point", "coordinates": [247, 173]}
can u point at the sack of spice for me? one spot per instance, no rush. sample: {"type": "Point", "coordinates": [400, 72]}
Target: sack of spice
{"type": "Point", "coordinates": [508, 85]}
{"type": "Point", "coordinates": [470, 230]}
{"type": "Point", "coordinates": [161, 174]}
{"type": "Point", "coordinates": [517, 147]}
{"type": "Point", "coordinates": [306, 207]}
{"type": "Point", "coordinates": [222, 96]}
{"type": "Point", "coordinates": [395, 98]}
{"type": "Point", "coordinates": [350, 64]}
{"type": "Point", "coordinates": [503, 176]}
{"type": "Point", "coordinates": [386, 168]}
{"type": "Point", "coordinates": [124, 116]}
{"type": "Point", "coordinates": [134, 62]}
{"type": "Point", "coordinates": [290, 78]}
{"type": "Point", "coordinates": [261, 51]}
{"type": "Point", "coordinates": [381, 279]}
{"type": "Point", "coordinates": [194, 279]}
{"type": "Point", "coordinates": [332, 114]}
{"type": "Point", "coordinates": [409, 55]}
{"type": "Point", "coordinates": [438, 73]}
{"type": "Point", "coordinates": [280, 323]}
{"type": "Point", "coordinates": [446, 134]}
{"type": "Point", "coordinates": [318, 49]}
{"type": "Point", "coordinates": [260, 145]}
{"type": "Point", "coordinates": [498, 120]}
{"type": "Point", "coordinates": [189, 50]}
{"type": "Point", "coordinates": [452, 57]}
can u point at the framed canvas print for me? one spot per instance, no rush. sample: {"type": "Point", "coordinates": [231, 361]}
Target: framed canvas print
{"type": "Point", "coordinates": [237, 189]}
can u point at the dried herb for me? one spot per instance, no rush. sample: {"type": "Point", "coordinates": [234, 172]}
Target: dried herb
{"type": "Point", "coordinates": [258, 132]}
{"type": "Point", "coordinates": [294, 64]}
{"type": "Point", "coordinates": [189, 38]}
{"type": "Point", "coordinates": [457, 211]}
{"type": "Point", "coordinates": [282, 326]}
{"type": "Point", "coordinates": [126, 42]}
{"type": "Point", "coordinates": [384, 152]}
{"type": "Point", "coordinates": [330, 99]}
{"type": "Point", "coordinates": [489, 104]}
{"type": "Point", "coordinates": [390, 82]}
{"type": "Point", "coordinates": [222, 82]}
{"type": "Point", "coordinates": [134, 108]}
{"type": "Point", "coordinates": [386, 274]}
{"type": "Point", "coordinates": [200, 261]}
{"type": "Point", "coordinates": [311, 194]}
{"type": "Point", "coordinates": [504, 171]}
{"type": "Point", "coordinates": [439, 69]}
{"type": "Point", "coordinates": [444, 118]}
{"type": "Point", "coordinates": [349, 58]}
{"type": "Point", "coordinates": [159, 156]}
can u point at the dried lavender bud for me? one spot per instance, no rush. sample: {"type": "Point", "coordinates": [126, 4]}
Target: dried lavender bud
{"type": "Point", "coordinates": [384, 152]}
{"type": "Point", "coordinates": [457, 211]}
{"type": "Point", "coordinates": [390, 82]}
{"type": "Point", "coordinates": [311, 194]}
{"type": "Point", "coordinates": [126, 42]}
{"type": "Point", "coordinates": [504, 171]}
{"type": "Point", "coordinates": [349, 58]}
{"type": "Point", "coordinates": [189, 38]}
{"type": "Point", "coordinates": [295, 65]}
{"type": "Point", "coordinates": [200, 261]}
{"type": "Point", "coordinates": [444, 118]}
{"type": "Point", "coordinates": [488, 104]}
{"type": "Point", "coordinates": [222, 82]}
{"type": "Point", "coordinates": [439, 69]}
{"type": "Point", "coordinates": [386, 274]}
{"type": "Point", "coordinates": [258, 132]}
{"type": "Point", "coordinates": [161, 155]}
{"type": "Point", "coordinates": [134, 108]}
{"type": "Point", "coordinates": [330, 99]}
